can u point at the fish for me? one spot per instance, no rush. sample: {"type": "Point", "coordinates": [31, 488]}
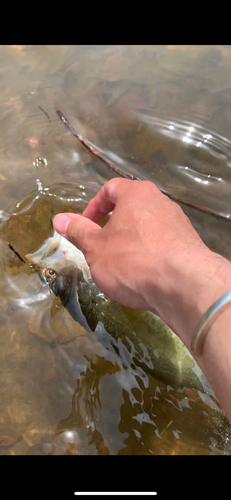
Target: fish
{"type": "Point", "coordinates": [152, 344]}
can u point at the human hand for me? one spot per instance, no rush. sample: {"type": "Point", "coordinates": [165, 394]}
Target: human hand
{"type": "Point", "coordinates": [148, 255]}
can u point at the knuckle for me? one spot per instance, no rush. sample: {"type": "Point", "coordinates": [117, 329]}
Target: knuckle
{"type": "Point", "coordinates": [150, 186]}
{"type": "Point", "coordinates": [117, 182]}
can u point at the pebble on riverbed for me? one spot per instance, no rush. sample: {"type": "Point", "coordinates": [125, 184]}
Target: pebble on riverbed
{"type": "Point", "coordinates": [33, 142]}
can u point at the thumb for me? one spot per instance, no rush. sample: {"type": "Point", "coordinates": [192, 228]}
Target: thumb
{"type": "Point", "coordinates": [77, 229]}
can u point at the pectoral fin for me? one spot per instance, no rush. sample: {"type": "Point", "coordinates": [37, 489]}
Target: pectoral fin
{"type": "Point", "coordinates": [74, 308]}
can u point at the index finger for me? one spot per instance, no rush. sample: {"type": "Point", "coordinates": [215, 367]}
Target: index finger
{"type": "Point", "coordinates": [106, 199]}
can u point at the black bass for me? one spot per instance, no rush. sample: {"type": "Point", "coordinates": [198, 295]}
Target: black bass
{"type": "Point", "coordinates": [151, 342]}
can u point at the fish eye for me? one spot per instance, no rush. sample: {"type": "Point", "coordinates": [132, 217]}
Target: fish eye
{"type": "Point", "coordinates": [50, 273]}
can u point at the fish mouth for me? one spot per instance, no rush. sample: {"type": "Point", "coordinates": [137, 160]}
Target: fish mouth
{"type": "Point", "coordinates": [34, 262]}
{"type": "Point", "coordinates": [47, 256]}
{"type": "Point", "coordinates": [48, 248]}
{"type": "Point", "coordinates": [57, 253]}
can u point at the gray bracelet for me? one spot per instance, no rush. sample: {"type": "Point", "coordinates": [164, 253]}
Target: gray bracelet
{"type": "Point", "coordinates": [207, 320]}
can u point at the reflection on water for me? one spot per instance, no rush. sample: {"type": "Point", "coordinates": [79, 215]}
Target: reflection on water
{"type": "Point", "coordinates": [161, 113]}
{"type": "Point", "coordinates": [207, 155]}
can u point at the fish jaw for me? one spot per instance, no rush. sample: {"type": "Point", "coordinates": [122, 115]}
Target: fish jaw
{"type": "Point", "coordinates": [57, 253]}
{"type": "Point", "coordinates": [39, 258]}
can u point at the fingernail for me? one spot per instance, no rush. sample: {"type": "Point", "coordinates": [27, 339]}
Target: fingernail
{"type": "Point", "coordinates": [61, 222]}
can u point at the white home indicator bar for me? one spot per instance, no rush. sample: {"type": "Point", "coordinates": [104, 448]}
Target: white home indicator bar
{"type": "Point", "coordinates": [115, 493]}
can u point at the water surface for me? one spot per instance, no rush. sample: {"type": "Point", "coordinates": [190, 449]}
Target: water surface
{"type": "Point", "coordinates": [162, 113]}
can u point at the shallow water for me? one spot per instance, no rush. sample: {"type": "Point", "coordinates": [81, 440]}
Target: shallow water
{"type": "Point", "coordinates": [161, 113]}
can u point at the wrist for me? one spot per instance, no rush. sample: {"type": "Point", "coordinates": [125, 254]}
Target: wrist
{"type": "Point", "coordinates": [214, 281]}
{"type": "Point", "coordinates": [189, 289]}
{"type": "Point", "coordinates": [215, 361]}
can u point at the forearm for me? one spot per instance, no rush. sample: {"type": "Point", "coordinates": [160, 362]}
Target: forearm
{"type": "Point", "coordinates": [198, 286]}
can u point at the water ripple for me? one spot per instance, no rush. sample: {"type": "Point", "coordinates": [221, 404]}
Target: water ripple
{"type": "Point", "coordinates": [196, 167]}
